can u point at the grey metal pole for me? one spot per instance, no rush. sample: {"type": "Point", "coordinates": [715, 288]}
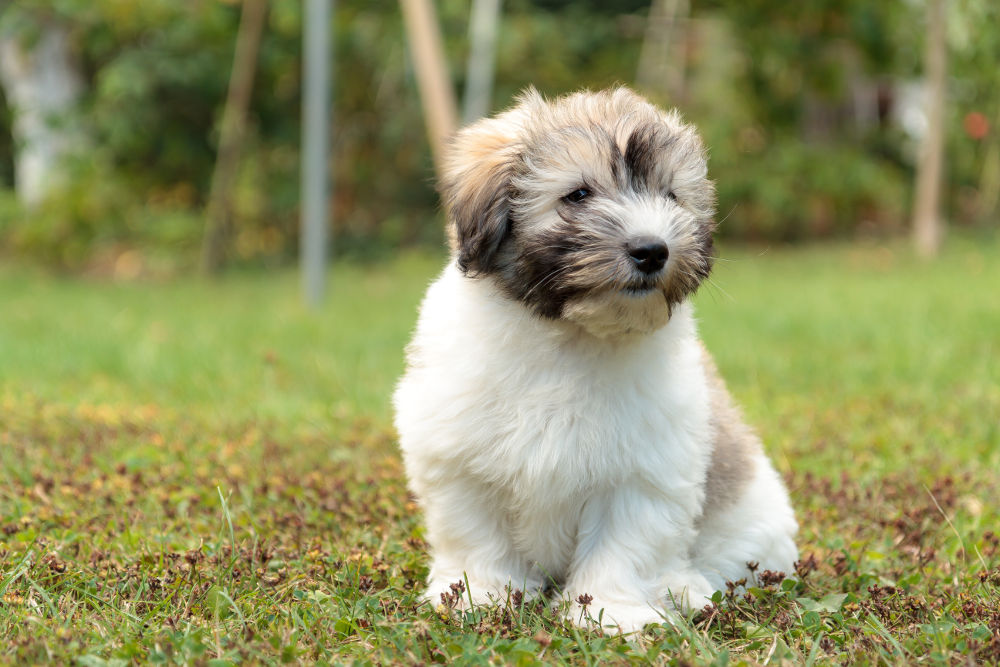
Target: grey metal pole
{"type": "Point", "coordinates": [482, 57]}
{"type": "Point", "coordinates": [315, 144]}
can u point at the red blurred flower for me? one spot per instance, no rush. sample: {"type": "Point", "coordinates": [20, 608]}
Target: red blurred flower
{"type": "Point", "coordinates": [976, 125]}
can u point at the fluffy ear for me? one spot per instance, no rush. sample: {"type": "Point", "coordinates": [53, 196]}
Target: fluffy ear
{"type": "Point", "coordinates": [476, 190]}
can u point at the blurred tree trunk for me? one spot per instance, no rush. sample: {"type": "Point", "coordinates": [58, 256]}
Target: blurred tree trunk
{"type": "Point", "coordinates": [927, 227]}
{"type": "Point", "coordinates": [436, 94]}
{"type": "Point", "coordinates": [482, 59]}
{"type": "Point", "coordinates": [42, 81]}
{"type": "Point", "coordinates": [663, 58]}
{"type": "Point", "coordinates": [989, 178]}
{"type": "Point", "coordinates": [218, 211]}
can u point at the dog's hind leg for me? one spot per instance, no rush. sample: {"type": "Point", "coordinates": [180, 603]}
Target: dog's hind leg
{"type": "Point", "coordinates": [759, 527]}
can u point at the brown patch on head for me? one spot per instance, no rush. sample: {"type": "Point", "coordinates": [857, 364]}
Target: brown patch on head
{"type": "Point", "coordinates": [645, 144]}
{"type": "Point", "coordinates": [733, 447]}
{"type": "Point", "coordinates": [476, 190]}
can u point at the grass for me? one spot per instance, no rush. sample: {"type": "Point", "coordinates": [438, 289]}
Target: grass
{"type": "Point", "coordinates": [205, 473]}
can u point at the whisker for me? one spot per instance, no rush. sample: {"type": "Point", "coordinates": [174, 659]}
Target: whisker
{"type": "Point", "coordinates": [727, 215]}
{"type": "Point", "coordinates": [549, 276]}
{"type": "Point", "coordinates": [713, 284]}
{"type": "Point", "coordinates": [534, 251]}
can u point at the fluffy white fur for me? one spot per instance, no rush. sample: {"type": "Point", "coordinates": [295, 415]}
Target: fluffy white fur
{"type": "Point", "coordinates": [576, 451]}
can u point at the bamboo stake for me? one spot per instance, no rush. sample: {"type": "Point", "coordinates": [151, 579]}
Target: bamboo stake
{"type": "Point", "coordinates": [436, 94]}
{"type": "Point", "coordinates": [927, 228]}
{"type": "Point", "coordinates": [234, 118]}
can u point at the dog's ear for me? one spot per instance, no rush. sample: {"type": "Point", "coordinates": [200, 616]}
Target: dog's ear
{"type": "Point", "coordinates": [475, 187]}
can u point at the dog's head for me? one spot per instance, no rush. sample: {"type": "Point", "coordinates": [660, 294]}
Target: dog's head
{"type": "Point", "coordinates": [593, 208]}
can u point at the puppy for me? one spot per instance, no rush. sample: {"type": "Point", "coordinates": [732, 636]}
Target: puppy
{"type": "Point", "coordinates": [560, 422]}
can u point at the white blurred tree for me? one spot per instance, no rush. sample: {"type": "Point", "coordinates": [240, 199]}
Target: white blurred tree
{"type": "Point", "coordinates": [483, 23]}
{"type": "Point", "coordinates": [662, 61]}
{"type": "Point", "coordinates": [40, 74]}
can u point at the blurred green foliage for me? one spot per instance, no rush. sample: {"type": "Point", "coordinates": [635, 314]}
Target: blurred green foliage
{"type": "Point", "coordinates": [774, 91]}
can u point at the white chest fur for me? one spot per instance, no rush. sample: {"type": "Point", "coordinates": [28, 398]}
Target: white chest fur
{"type": "Point", "coordinates": [540, 417]}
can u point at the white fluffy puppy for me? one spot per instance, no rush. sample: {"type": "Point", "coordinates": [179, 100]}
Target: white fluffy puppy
{"type": "Point", "coordinates": [560, 421]}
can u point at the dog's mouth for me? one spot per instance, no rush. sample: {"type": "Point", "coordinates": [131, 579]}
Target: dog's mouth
{"type": "Point", "coordinates": [641, 287]}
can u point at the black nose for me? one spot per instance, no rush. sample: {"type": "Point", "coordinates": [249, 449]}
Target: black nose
{"type": "Point", "coordinates": [648, 253]}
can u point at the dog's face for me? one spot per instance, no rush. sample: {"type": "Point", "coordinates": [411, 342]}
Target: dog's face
{"type": "Point", "coordinates": [593, 209]}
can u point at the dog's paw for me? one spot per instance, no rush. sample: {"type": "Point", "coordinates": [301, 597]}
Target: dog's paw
{"type": "Point", "coordinates": [462, 592]}
{"type": "Point", "coordinates": [688, 590]}
{"type": "Point", "coordinates": [616, 617]}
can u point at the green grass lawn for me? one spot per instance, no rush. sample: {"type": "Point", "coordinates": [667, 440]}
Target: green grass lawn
{"type": "Point", "coordinates": [199, 472]}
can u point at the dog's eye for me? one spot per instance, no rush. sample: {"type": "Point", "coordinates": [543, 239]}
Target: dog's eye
{"type": "Point", "coordinates": [671, 196]}
{"type": "Point", "coordinates": [577, 196]}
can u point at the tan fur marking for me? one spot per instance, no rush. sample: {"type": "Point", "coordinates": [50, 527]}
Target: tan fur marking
{"type": "Point", "coordinates": [734, 446]}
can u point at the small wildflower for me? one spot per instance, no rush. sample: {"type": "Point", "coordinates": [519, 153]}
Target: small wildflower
{"type": "Point", "coordinates": [517, 598]}
{"type": "Point", "coordinates": [770, 577]}
{"type": "Point", "coordinates": [542, 638]}
{"type": "Point", "coordinates": [451, 599]}
{"type": "Point", "coordinates": [805, 566]}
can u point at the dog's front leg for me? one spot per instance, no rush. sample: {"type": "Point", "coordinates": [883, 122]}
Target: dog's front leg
{"type": "Point", "coordinates": [632, 564]}
{"type": "Point", "coordinates": [471, 545]}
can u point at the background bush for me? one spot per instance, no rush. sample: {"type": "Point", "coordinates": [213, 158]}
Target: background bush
{"type": "Point", "coordinates": [771, 90]}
